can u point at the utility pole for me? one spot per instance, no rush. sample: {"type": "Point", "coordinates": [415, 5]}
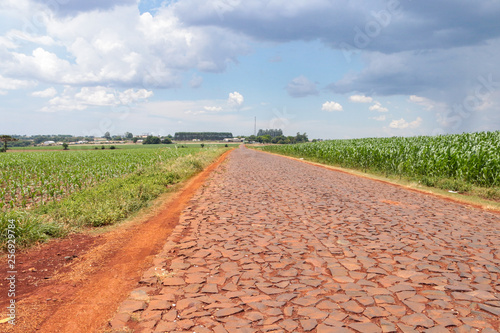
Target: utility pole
{"type": "Point", "coordinates": [255, 126]}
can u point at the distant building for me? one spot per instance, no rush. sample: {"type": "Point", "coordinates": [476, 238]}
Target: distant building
{"type": "Point", "coordinates": [202, 136]}
{"type": "Point", "coordinates": [49, 143]}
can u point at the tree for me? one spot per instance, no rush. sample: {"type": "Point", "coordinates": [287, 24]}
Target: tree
{"type": "Point", "coordinates": [128, 135]}
{"type": "Point", "coordinates": [166, 141]}
{"type": "Point", "coordinates": [135, 140]}
{"type": "Point", "coordinates": [271, 132]}
{"type": "Point", "coordinates": [151, 140]}
{"type": "Point", "coordinates": [301, 137]}
{"type": "Point", "coordinates": [5, 139]}
{"type": "Point", "coordinates": [107, 136]}
{"type": "Point", "coordinates": [65, 146]}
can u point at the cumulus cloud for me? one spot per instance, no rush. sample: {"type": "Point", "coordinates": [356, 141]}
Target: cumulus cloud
{"type": "Point", "coordinates": [72, 99]}
{"type": "Point", "coordinates": [332, 106]}
{"type": "Point", "coordinates": [378, 107]}
{"type": "Point", "coordinates": [360, 99]}
{"type": "Point", "coordinates": [7, 83]}
{"type": "Point", "coordinates": [402, 124]}
{"type": "Point", "coordinates": [235, 100]}
{"type": "Point", "coordinates": [118, 46]}
{"type": "Point", "coordinates": [47, 93]}
{"type": "Point", "coordinates": [301, 87]}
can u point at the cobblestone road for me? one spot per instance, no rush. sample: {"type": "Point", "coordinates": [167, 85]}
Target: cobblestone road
{"type": "Point", "coordinates": [275, 245]}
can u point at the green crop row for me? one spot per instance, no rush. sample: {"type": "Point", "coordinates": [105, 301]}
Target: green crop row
{"type": "Point", "coordinates": [31, 179]}
{"type": "Point", "coordinates": [129, 181]}
{"type": "Point", "coordinates": [473, 158]}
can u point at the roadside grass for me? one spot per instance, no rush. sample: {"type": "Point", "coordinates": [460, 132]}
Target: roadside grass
{"type": "Point", "coordinates": [104, 204]}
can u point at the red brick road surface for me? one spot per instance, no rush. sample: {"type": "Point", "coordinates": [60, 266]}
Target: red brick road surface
{"type": "Point", "coordinates": [276, 245]}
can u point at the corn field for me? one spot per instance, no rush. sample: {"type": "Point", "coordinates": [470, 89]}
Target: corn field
{"type": "Point", "coordinates": [29, 179]}
{"type": "Point", "coordinates": [470, 157]}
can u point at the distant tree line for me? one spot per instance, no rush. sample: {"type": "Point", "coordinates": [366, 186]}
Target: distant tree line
{"type": "Point", "coordinates": [205, 136]}
{"type": "Point", "coordinates": [273, 133]}
{"type": "Point", "coordinates": [154, 140]}
{"type": "Point", "coordinates": [281, 139]}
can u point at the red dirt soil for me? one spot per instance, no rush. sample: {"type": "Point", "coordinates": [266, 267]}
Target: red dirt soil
{"type": "Point", "coordinates": [76, 284]}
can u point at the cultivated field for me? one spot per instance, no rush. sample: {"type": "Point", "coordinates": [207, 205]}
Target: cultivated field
{"type": "Point", "coordinates": [39, 177]}
{"type": "Point", "coordinates": [50, 192]}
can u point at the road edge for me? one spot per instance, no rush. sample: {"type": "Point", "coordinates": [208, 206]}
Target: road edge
{"type": "Point", "coordinates": [429, 191]}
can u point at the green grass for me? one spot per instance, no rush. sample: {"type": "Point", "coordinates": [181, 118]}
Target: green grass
{"type": "Point", "coordinates": [32, 178]}
{"type": "Point", "coordinates": [466, 163]}
{"type": "Point", "coordinates": [105, 202]}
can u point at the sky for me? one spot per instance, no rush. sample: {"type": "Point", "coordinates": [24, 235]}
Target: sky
{"type": "Point", "coordinates": [333, 69]}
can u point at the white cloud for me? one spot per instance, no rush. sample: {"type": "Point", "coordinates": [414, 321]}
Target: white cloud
{"type": "Point", "coordinates": [118, 46]}
{"type": "Point", "coordinates": [426, 103]}
{"type": "Point", "coordinates": [20, 36]}
{"type": "Point", "coordinates": [86, 97]}
{"type": "Point", "coordinates": [360, 99]}
{"type": "Point", "coordinates": [47, 93]}
{"type": "Point", "coordinates": [301, 87]}
{"type": "Point", "coordinates": [41, 65]}
{"type": "Point", "coordinates": [402, 124]}
{"type": "Point", "coordinates": [378, 107]}
{"type": "Point", "coordinates": [213, 108]}
{"type": "Point", "coordinates": [382, 117]}
{"type": "Point", "coordinates": [332, 106]}
{"type": "Point", "coordinates": [7, 43]}
{"type": "Point", "coordinates": [235, 100]}
{"type": "Point", "coordinates": [7, 83]}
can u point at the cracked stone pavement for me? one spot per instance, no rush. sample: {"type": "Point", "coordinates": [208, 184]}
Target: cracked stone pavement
{"type": "Point", "coordinates": [270, 244]}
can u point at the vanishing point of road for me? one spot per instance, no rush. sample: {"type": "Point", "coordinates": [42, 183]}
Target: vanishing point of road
{"type": "Point", "coordinates": [271, 244]}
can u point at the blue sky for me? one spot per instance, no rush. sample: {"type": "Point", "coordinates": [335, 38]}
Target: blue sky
{"type": "Point", "coordinates": [330, 68]}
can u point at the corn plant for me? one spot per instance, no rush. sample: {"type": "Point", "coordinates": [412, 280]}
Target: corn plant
{"type": "Point", "coordinates": [29, 179]}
